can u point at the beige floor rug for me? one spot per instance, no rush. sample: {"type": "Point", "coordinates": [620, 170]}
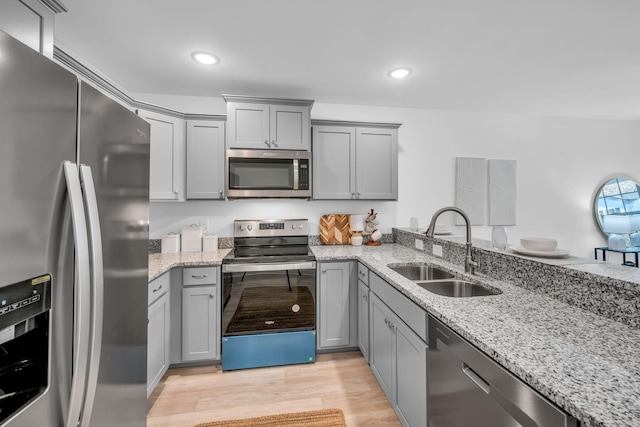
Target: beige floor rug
{"type": "Point", "coordinates": [321, 418]}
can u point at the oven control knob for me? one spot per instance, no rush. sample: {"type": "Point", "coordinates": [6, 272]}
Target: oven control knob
{"type": "Point", "coordinates": [293, 226]}
{"type": "Point", "coordinates": [249, 227]}
{"type": "Point", "coordinates": [241, 227]}
{"type": "Point", "coordinates": [300, 226]}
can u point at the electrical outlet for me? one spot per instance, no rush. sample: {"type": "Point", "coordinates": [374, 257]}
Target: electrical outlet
{"type": "Point", "coordinates": [419, 245]}
{"type": "Point", "coordinates": [437, 250]}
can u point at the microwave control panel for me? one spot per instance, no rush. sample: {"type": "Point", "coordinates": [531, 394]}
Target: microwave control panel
{"type": "Point", "coordinates": [303, 175]}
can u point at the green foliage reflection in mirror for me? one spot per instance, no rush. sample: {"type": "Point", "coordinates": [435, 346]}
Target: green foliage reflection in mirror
{"type": "Point", "coordinates": [617, 196]}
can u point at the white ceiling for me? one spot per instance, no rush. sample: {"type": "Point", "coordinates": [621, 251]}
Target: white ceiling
{"type": "Point", "coordinates": [553, 57]}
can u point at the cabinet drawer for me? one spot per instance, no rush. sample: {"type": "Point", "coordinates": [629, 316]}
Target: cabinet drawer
{"type": "Point", "coordinates": [410, 313]}
{"type": "Point", "coordinates": [158, 287]}
{"type": "Point", "coordinates": [363, 274]}
{"type": "Point", "coordinates": [200, 276]}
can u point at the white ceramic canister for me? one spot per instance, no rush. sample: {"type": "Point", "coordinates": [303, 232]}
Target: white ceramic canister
{"type": "Point", "coordinates": [209, 243]}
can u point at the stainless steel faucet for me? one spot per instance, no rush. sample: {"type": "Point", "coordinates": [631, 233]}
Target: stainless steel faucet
{"type": "Point", "coordinates": [469, 263]}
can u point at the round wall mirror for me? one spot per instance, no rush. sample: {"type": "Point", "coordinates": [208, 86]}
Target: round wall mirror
{"type": "Point", "coordinates": [617, 198]}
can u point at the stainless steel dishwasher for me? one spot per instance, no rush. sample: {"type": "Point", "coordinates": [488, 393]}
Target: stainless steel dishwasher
{"type": "Point", "coordinates": [466, 388]}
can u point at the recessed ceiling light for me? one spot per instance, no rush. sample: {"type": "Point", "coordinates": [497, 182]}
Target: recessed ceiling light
{"type": "Point", "coordinates": [205, 58]}
{"type": "Point", "coordinates": [400, 73]}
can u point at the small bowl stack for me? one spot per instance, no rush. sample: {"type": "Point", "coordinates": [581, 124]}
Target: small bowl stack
{"type": "Point", "coordinates": [539, 244]}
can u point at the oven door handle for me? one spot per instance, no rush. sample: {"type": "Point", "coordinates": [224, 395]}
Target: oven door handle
{"type": "Point", "coordinates": [257, 267]}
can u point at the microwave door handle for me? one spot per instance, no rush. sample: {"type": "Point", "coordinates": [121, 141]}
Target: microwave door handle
{"type": "Point", "coordinates": [82, 298]}
{"type": "Point", "coordinates": [296, 173]}
{"type": "Point", "coordinates": [97, 284]}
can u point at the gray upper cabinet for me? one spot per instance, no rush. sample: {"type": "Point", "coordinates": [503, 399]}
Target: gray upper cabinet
{"type": "Point", "coordinates": [31, 22]}
{"type": "Point", "coordinates": [205, 159]}
{"type": "Point", "coordinates": [167, 161]}
{"type": "Point", "coordinates": [334, 173]}
{"type": "Point", "coordinates": [376, 163]}
{"type": "Point", "coordinates": [355, 162]}
{"type": "Point", "coordinates": [268, 123]}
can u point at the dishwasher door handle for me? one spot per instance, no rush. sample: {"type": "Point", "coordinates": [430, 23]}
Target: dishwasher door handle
{"type": "Point", "coordinates": [477, 379]}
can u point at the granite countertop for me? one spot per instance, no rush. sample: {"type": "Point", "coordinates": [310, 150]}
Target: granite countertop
{"type": "Point", "coordinates": [161, 263]}
{"type": "Point", "coordinates": [587, 364]}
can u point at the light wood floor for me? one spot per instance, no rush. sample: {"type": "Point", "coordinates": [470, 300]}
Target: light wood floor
{"type": "Point", "coordinates": [187, 396]}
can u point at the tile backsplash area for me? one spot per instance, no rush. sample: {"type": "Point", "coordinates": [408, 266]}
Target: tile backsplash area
{"type": "Point", "coordinates": [155, 245]}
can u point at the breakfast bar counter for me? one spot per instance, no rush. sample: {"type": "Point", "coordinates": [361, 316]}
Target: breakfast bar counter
{"type": "Point", "coordinates": [587, 364]}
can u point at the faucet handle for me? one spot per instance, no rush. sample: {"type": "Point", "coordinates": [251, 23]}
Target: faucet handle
{"type": "Point", "coordinates": [470, 265]}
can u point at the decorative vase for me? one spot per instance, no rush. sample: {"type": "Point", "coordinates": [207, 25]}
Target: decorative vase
{"type": "Point", "coordinates": [499, 237]}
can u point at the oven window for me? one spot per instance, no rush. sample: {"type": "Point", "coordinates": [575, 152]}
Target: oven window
{"type": "Point", "coordinates": [272, 174]}
{"type": "Point", "coordinates": [267, 302]}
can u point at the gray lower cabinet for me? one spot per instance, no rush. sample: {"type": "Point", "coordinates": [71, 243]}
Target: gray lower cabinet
{"type": "Point", "coordinates": [355, 162]}
{"type": "Point", "coordinates": [158, 331]}
{"type": "Point", "coordinates": [337, 305]}
{"type": "Point", "coordinates": [205, 159]}
{"type": "Point", "coordinates": [398, 359]}
{"type": "Point", "coordinates": [200, 314]}
{"type": "Point", "coordinates": [363, 311]}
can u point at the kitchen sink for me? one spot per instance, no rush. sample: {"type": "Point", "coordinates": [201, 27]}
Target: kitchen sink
{"type": "Point", "coordinates": [421, 272]}
{"type": "Point", "coordinates": [455, 288]}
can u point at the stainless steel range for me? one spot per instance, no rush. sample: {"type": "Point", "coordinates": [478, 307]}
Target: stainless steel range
{"type": "Point", "coordinates": [269, 293]}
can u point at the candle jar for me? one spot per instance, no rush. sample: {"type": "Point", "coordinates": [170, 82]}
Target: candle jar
{"type": "Point", "coordinates": [499, 237]}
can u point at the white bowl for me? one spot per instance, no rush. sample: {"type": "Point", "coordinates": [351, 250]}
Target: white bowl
{"type": "Point", "coordinates": [539, 243]}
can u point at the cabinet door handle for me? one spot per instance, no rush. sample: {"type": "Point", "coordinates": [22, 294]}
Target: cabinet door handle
{"type": "Point", "coordinates": [157, 289]}
{"type": "Point", "coordinates": [211, 295]}
{"type": "Point", "coordinates": [273, 142]}
{"type": "Point", "coordinates": [266, 141]}
{"type": "Point", "coordinates": [199, 276]}
{"type": "Point", "coordinates": [324, 270]}
{"type": "Point", "coordinates": [220, 192]}
{"type": "Point", "coordinates": [389, 323]}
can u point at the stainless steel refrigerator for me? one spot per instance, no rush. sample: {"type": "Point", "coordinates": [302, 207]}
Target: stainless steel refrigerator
{"type": "Point", "coordinates": [74, 190]}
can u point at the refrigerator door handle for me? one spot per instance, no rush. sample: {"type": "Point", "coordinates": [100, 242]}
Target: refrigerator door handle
{"type": "Point", "coordinates": [82, 298]}
{"type": "Point", "coordinates": [97, 288]}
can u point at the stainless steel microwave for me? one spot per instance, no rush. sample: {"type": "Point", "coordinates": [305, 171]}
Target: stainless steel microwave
{"type": "Point", "coordinates": [268, 174]}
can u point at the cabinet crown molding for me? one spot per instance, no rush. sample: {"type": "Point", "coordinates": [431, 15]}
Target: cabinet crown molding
{"type": "Point", "coordinates": [55, 6]}
{"type": "Point", "coordinates": [260, 100]}
{"type": "Point", "coordinates": [348, 123]}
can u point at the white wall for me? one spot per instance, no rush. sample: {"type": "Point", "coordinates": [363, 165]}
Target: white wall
{"type": "Point", "coordinates": [560, 162]}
